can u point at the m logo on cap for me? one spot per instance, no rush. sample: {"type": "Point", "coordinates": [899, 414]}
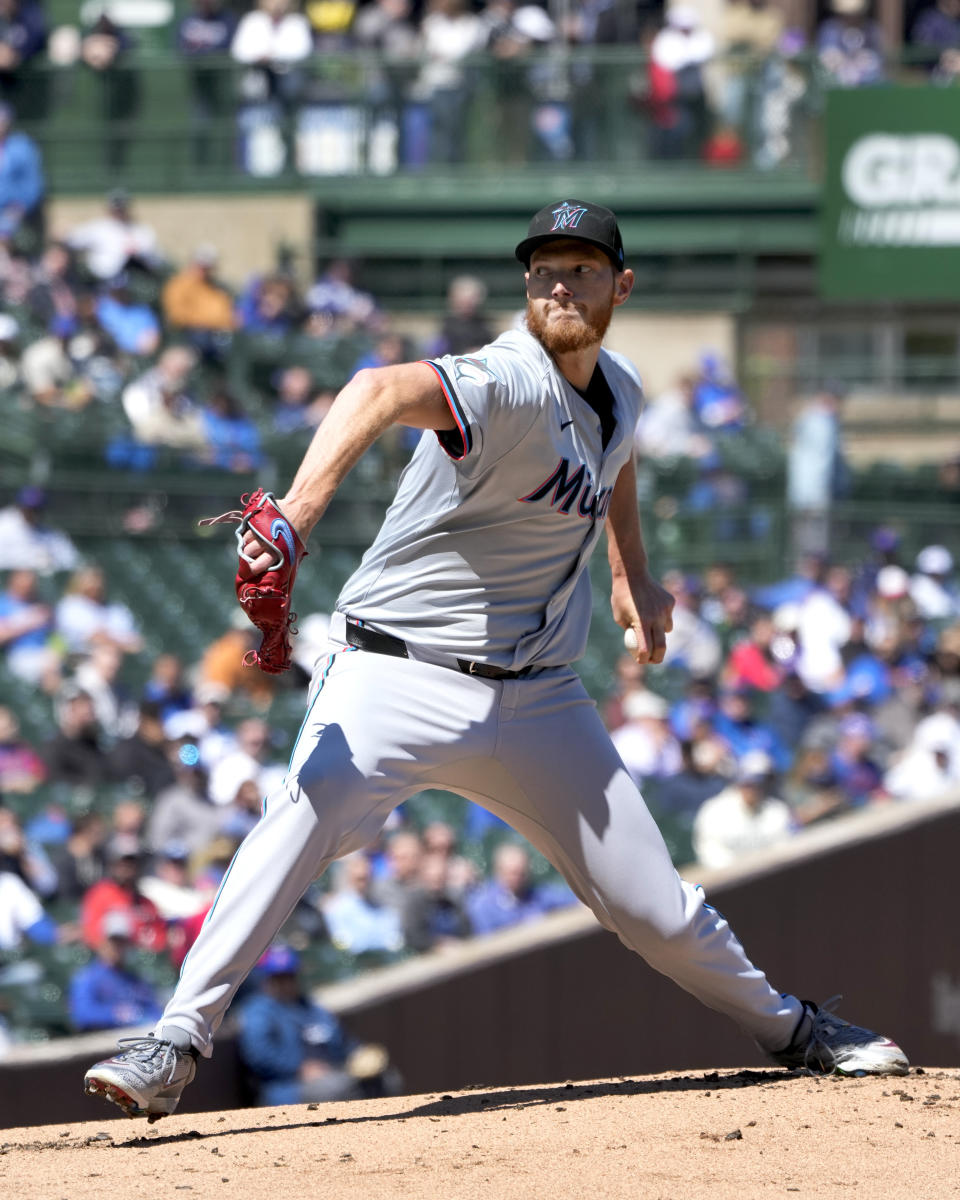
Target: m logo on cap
{"type": "Point", "coordinates": [567, 216]}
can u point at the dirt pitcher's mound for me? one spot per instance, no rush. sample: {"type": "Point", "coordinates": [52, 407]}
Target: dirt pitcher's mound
{"type": "Point", "coordinates": [727, 1135]}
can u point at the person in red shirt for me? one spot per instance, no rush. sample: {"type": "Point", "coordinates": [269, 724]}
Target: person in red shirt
{"type": "Point", "coordinates": [752, 662]}
{"type": "Point", "coordinates": [119, 891]}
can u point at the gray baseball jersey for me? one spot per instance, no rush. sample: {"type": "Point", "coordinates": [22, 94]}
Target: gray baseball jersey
{"type": "Point", "coordinates": [483, 552]}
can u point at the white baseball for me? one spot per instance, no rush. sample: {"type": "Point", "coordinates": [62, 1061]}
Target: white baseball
{"type": "Point", "coordinates": [630, 638]}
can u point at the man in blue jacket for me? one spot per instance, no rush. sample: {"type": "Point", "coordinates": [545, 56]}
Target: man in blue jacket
{"type": "Point", "coordinates": [296, 1051]}
{"type": "Point", "coordinates": [22, 186]}
{"type": "Point", "coordinates": [105, 994]}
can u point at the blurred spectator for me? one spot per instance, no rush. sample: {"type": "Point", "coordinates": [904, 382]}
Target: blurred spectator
{"type": "Point", "coordinates": [356, 921]}
{"type": "Point", "coordinates": [204, 34]}
{"type": "Point", "coordinates": [389, 350]}
{"type": "Point", "coordinates": [849, 45]}
{"type": "Point", "coordinates": [720, 495]}
{"type": "Point", "coordinates": [183, 811]}
{"type": "Point", "coordinates": [386, 28]}
{"type": "Point", "coordinates": [232, 438]}
{"type": "Point", "coordinates": [450, 34]}
{"type": "Point", "coordinates": [932, 590]}
{"type": "Point", "coordinates": [76, 753]}
{"type": "Point", "coordinates": [194, 302]}
{"type": "Point", "coordinates": [80, 861]}
{"type": "Point", "coordinates": [85, 615]}
{"type": "Point", "coordinates": [336, 296]}
{"type": "Point", "coordinates": [928, 769]}
{"type": "Point", "coordinates": [296, 1051]}
{"type": "Point", "coordinates": [465, 326]}
{"type": "Point", "coordinates": [817, 473]}
{"type": "Point", "coordinates": [104, 47]}
{"type": "Point", "coordinates": [168, 885]}
{"type": "Point", "coordinates": [298, 403]}
{"type": "Point", "coordinates": [26, 856]}
{"type": "Point", "coordinates": [206, 28]}
{"type": "Point", "coordinates": [10, 353]}
{"type": "Point", "coordinates": [271, 41]}
{"type": "Point", "coordinates": [823, 628]}
{"type": "Point", "coordinates": [434, 915]}
{"type": "Point", "coordinates": [106, 993]}
{"type": "Point", "coordinates": [21, 767]}
{"type": "Point", "coordinates": [23, 35]}
{"type": "Point", "coordinates": [676, 799]}
{"type": "Point", "coordinates": [440, 842]}
{"type": "Point", "coordinates": [752, 662]}
{"type": "Point", "coordinates": [890, 610]}
{"type": "Point", "coordinates": [269, 304]}
{"type": "Point", "coordinates": [115, 242]}
{"type": "Point", "coordinates": [937, 30]}
{"type": "Point", "coordinates": [54, 284]}
{"type": "Point", "coordinates": [21, 913]}
{"type": "Point", "coordinates": [509, 897]}
{"type": "Point", "coordinates": [22, 186]}
{"type": "Point", "coordinates": [166, 687]}
{"type": "Point", "coordinates": [160, 407]}
{"type": "Point", "coordinates": [852, 766]}
{"type": "Point", "coordinates": [668, 426]}
{"type": "Point", "coordinates": [629, 676]}
{"type": "Point", "coordinates": [131, 323]}
{"type": "Point", "coordinates": [204, 724]}
{"type": "Point", "coordinates": [717, 399]}
{"type": "Point", "coordinates": [644, 742]}
{"type": "Point", "coordinates": [141, 758]}
{"type": "Point", "coordinates": [744, 817]}
{"type": "Point", "coordinates": [26, 629]}
{"type": "Point", "coordinates": [222, 664]}
{"type": "Point", "coordinates": [53, 377]}
{"type": "Point", "coordinates": [533, 93]}
{"type": "Point", "coordinates": [253, 759]}
{"type": "Point", "coordinates": [129, 816]}
{"type": "Point", "coordinates": [750, 32]}
{"type": "Point", "coordinates": [98, 674]}
{"type": "Point", "coordinates": [401, 879]}
{"type": "Point", "coordinates": [119, 891]}
{"type": "Point", "coordinates": [738, 725]}
{"type": "Point", "coordinates": [677, 99]}
{"type": "Point", "coordinates": [693, 645]}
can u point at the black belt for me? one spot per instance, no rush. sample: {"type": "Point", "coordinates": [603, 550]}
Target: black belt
{"type": "Point", "coordinates": [371, 640]}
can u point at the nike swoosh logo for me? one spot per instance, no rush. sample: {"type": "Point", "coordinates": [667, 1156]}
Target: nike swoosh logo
{"type": "Point", "coordinates": [280, 529]}
{"type": "Point", "coordinates": [564, 424]}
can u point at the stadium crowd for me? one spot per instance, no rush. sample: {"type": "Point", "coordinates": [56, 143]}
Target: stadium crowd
{"type": "Point", "coordinates": [342, 85]}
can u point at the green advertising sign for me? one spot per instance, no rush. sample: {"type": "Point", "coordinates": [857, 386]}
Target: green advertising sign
{"type": "Point", "coordinates": [891, 203]}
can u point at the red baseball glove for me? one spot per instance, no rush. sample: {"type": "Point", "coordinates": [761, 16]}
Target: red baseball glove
{"type": "Point", "coordinates": [265, 598]}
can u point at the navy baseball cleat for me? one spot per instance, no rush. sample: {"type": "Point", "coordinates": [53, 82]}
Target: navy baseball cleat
{"type": "Point", "coordinates": [146, 1078]}
{"type": "Point", "coordinates": [833, 1046]}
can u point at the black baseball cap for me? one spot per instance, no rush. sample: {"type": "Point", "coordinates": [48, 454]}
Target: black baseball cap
{"type": "Point", "coordinates": [574, 219]}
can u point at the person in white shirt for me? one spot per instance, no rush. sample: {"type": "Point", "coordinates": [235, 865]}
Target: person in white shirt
{"type": "Point", "coordinates": [930, 590]}
{"type": "Point", "coordinates": [272, 41]}
{"type": "Point", "coordinates": [31, 544]}
{"type": "Point", "coordinates": [451, 34]}
{"type": "Point", "coordinates": [644, 742]}
{"type": "Point", "coordinates": [115, 241]}
{"type": "Point", "coordinates": [272, 36]}
{"type": "Point", "coordinates": [250, 761]}
{"type": "Point", "coordinates": [743, 817]}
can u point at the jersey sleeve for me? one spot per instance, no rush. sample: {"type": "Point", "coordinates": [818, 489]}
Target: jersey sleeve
{"type": "Point", "coordinates": [494, 396]}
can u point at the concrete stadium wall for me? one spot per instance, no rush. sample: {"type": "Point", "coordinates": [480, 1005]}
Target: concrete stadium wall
{"type": "Point", "coordinates": [247, 230]}
{"type": "Point", "coordinates": [862, 906]}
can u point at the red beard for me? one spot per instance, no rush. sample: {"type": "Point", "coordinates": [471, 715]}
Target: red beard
{"type": "Point", "coordinates": [569, 335]}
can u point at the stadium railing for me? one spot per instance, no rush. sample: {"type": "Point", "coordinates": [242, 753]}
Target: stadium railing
{"type": "Point", "coordinates": [163, 122]}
